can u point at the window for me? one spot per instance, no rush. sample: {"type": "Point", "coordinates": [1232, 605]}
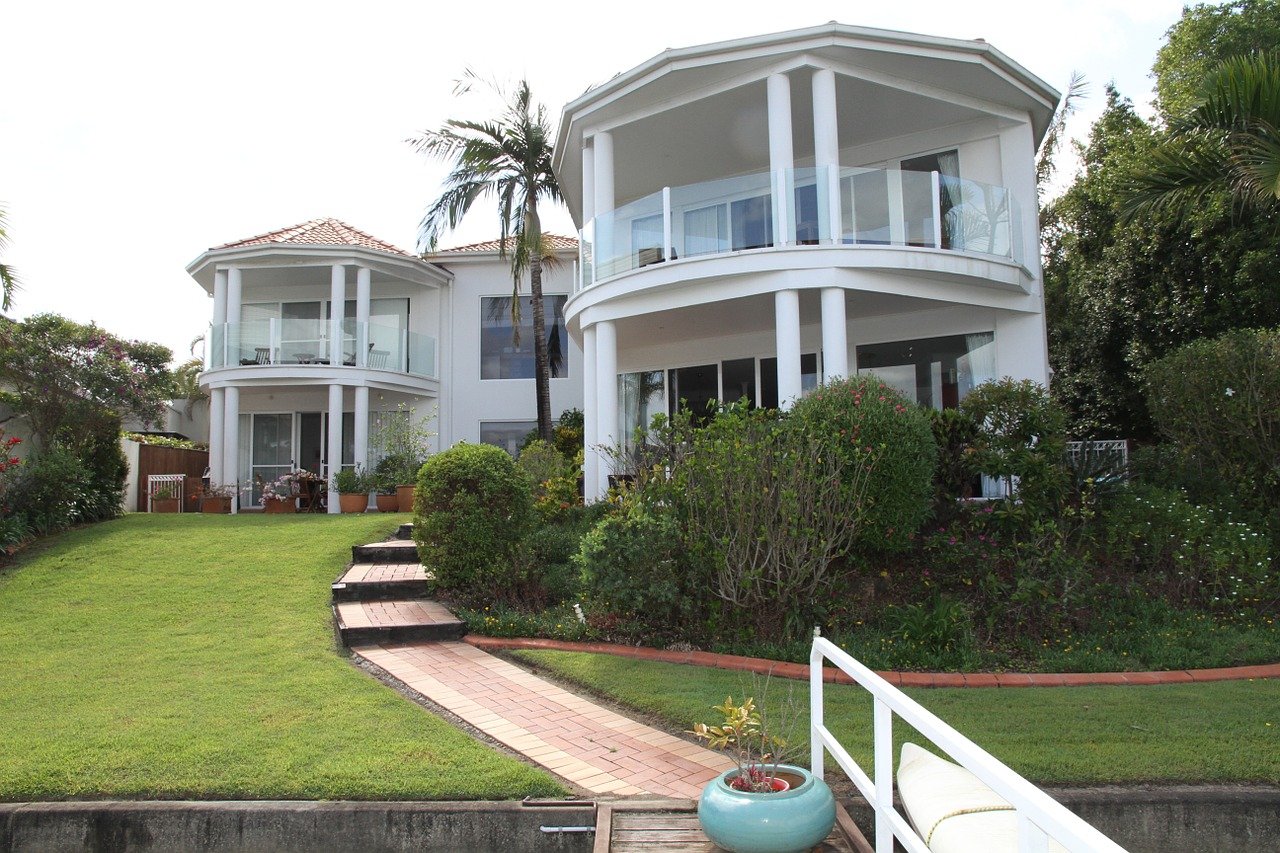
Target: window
{"type": "Point", "coordinates": [917, 194]}
{"type": "Point", "coordinates": [501, 357]}
{"type": "Point", "coordinates": [508, 435]}
{"type": "Point", "coordinates": [935, 372]}
{"type": "Point", "coordinates": [769, 378]}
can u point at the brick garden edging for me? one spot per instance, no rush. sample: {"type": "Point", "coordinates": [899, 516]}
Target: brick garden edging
{"type": "Point", "coordinates": [800, 671]}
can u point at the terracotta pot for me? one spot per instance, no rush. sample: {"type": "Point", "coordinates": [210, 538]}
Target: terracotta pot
{"type": "Point", "coordinates": [353, 503]}
{"type": "Point", "coordinates": [273, 505]}
{"type": "Point", "coordinates": [216, 506]}
{"type": "Point", "coordinates": [388, 503]}
{"type": "Point", "coordinates": [166, 505]}
{"type": "Point", "coordinates": [404, 496]}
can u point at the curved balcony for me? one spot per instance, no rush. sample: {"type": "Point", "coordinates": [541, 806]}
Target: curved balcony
{"type": "Point", "coordinates": [826, 206]}
{"type": "Point", "coordinates": [305, 342]}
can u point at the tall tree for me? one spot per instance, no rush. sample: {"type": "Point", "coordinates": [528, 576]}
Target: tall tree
{"type": "Point", "coordinates": [508, 158]}
{"type": "Point", "coordinates": [8, 280]}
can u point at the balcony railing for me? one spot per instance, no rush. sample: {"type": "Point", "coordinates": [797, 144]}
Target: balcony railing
{"type": "Point", "coordinates": [826, 206]}
{"type": "Point", "coordinates": [304, 342]}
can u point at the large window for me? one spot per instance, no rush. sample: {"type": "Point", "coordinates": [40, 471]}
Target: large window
{"type": "Point", "coordinates": [506, 434]}
{"type": "Point", "coordinates": [934, 372]}
{"type": "Point", "coordinates": [501, 357]}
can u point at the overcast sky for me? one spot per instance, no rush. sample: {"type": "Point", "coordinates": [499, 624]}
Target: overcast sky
{"type": "Point", "coordinates": [133, 136]}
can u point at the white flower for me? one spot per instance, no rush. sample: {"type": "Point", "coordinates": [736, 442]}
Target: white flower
{"type": "Point", "coordinates": [1230, 393]}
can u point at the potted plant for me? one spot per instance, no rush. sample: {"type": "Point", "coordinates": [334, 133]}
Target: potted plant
{"type": "Point", "coordinates": [404, 446]}
{"type": "Point", "coordinates": [353, 486]}
{"type": "Point", "coordinates": [385, 492]}
{"type": "Point", "coordinates": [165, 499]}
{"type": "Point", "coordinates": [215, 500]}
{"type": "Point", "coordinates": [762, 805]}
{"type": "Point", "coordinates": [281, 494]}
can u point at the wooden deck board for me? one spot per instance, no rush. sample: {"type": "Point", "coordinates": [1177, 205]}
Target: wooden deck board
{"type": "Point", "coordinates": [635, 831]}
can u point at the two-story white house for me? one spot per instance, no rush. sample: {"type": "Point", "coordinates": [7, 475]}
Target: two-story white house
{"type": "Point", "coordinates": [322, 324]}
{"type": "Point", "coordinates": [762, 214]}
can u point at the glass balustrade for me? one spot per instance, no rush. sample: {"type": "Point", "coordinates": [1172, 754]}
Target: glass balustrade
{"type": "Point", "coordinates": [806, 207]}
{"type": "Point", "coordinates": [305, 342]}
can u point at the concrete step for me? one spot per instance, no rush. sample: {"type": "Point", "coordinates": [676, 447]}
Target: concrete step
{"type": "Point", "coordinates": [381, 582]}
{"type": "Point", "coordinates": [390, 551]}
{"type": "Point", "coordinates": [403, 621]}
{"type": "Point", "coordinates": [404, 531]}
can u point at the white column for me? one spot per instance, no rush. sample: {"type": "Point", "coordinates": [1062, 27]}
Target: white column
{"type": "Point", "coordinates": [835, 335]}
{"type": "Point", "coordinates": [606, 398]}
{"type": "Point", "coordinates": [361, 417]}
{"type": "Point", "coordinates": [337, 304]}
{"type": "Point", "coordinates": [231, 443]}
{"type": "Point", "coordinates": [591, 461]}
{"type": "Point", "coordinates": [231, 345]}
{"type": "Point", "coordinates": [786, 307]}
{"type": "Point", "coordinates": [781, 156]}
{"type": "Point", "coordinates": [588, 184]}
{"type": "Point", "coordinates": [362, 315]}
{"type": "Point", "coordinates": [335, 443]}
{"type": "Point", "coordinates": [826, 154]}
{"type": "Point", "coordinates": [217, 404]}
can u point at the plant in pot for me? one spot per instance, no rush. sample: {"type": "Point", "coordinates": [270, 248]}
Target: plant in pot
{"type": "Point", "coordinates": [762, 805]}
{"type": "Point", "coordinates": [353, 486]}
{"type": "Point", "coordinates": [215, 500]}
{"type": "Point", "coordinates": [165, 499]}
{"type": "Point", "coordinates": [403, 445]}
{"type": "Point", "coordinates": [281, 494]}
{"type": "Point", "coordinates": [385, 491]}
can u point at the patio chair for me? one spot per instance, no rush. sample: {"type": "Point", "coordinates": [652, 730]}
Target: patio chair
{"type": "Point", "coordinates": [378, 358]}
{"type": "Point", "coordinates": [262, 356]}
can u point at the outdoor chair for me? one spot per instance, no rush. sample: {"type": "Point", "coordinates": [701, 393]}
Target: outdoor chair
{"type": "Point", "coordinates": [378, 359]}
{"type": "Point", "coordinates": [262, 356]}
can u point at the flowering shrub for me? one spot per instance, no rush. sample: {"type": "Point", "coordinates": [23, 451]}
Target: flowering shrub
{"type": "Point", "coordinates": [283, 487]}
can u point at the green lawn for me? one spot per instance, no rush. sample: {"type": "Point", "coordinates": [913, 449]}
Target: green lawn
{"type": "Point", "coordinates": [1219, 732]}
{"type": "Point", "coordinates": [173, 656]}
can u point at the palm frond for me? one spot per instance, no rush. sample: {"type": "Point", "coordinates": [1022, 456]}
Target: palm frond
{"type": "Point", "coordinates": [1077, 90]}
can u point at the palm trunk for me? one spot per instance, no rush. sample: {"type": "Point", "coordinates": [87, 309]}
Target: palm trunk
{"type": "Point", "coordinates": [542, 365]}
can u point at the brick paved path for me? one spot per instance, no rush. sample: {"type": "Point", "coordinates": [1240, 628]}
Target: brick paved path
{"type": "Point", "coordinates": [367, 614]}
{"type": "Point", "coordinates": [572, 737]}
{"type": "Point", "coordinates": [383, 573]}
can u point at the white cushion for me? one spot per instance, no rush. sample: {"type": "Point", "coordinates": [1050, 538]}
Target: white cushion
{"type": "Point", "coordinates": [952, 810]}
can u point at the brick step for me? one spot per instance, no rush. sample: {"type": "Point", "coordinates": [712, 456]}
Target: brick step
{"type": "Point", "coordinates": [390, 551]}
{"type": "Point", "coordinates": [402, 621]}
{"type": "Point", "coordinates": [381, 582]}
{"type": "Point", "coordinates": [404, 531]}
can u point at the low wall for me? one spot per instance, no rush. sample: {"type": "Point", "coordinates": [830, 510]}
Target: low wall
{"type": "Point", "coordinates": [106, 827]}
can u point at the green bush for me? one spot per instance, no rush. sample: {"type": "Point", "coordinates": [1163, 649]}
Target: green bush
{"type": "Point", "coordinates": [1218, 401]}
{"type": "Point", "coordinates": [863, 413]}
{"type": "Point", "coordinates": [354, 481]}
{"type": "Point", "coordinates": [1021, 435]}
{"type": "Point", "coordinates": [1189, 553]}
{"type": "Point", "coordinates": [954, 432]}
{"type": "Point", "coordinates": [98, 448]}
{"type": "Point", "coordinates": [471, 510]}
{"type": "Point", "coordinates": [52, 491]}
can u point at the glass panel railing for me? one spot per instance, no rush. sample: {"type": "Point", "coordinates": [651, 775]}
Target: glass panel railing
{"type": "Point", "coordinates": [726, 215]}
{"type": "Point", "coordinates": [265, 342]}
{"type": "Point", "coordinates": [249, 343]}
{"type": "Point", "coordinates": [976, 217]}
{"type": "Point", "coordinates": [215, 343]}
{"type": "Point", "coordinates": [629, 237]}
{"type": "Point", "coordinates": [303, 341]}
{"type": "Point", "coordinates": [809, 219]}
{"type": "Point", "coordinates": [586, 239]}
{"type": "Point", "coordinates": [421, 351]}
{"type": "Point", "coordinates": [386, 348]}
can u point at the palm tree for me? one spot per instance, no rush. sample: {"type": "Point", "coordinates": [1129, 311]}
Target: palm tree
{"type": "Point", "coordinates": [1230, 140]}
{"type": "Point", "coordinates": [8, 280]}
{"type": "Point", "coordinates": [508, 158]}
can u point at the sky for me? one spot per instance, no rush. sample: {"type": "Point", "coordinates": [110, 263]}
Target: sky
{"type": "Point", "coordinates": [134, 135]}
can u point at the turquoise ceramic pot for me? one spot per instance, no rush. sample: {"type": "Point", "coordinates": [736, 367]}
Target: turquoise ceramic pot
{"type": "Point", "coordinates": [786, 822]}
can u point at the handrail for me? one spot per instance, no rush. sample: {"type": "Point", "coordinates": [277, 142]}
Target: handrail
{"type": "Point", "coordinates": [1040, 817]}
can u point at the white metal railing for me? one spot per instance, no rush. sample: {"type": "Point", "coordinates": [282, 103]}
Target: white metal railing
{"type": "Point", "coordinates": [1111, 454]}
{"type": "Point", "coordinates": [1040, 817]}
{"type": "Point", "coordinates": [814, 206]}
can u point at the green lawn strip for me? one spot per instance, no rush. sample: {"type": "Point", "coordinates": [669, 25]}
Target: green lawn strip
{"type": "Point", "coordinates": [193, 656]}
{"type": "Point", "coordinates": [1222, 732]}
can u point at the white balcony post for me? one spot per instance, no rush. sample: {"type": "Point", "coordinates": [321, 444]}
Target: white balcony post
{"type": "Point", "coordinates": [781, 155]}
{"type": "Point", "coordinates": [335, 444]}
{"type": "Point", "coordinates": [835, 336]}
{"type": "Point", "coordinates": [230, 351]}
{"type": "Point", "coordinates": [936, 183]}
{"type": "Point", "coordinates": [787, 335]}
{"type": "Point", "coordinates": [826, 155]}
{"type": "Point", "coordinates": [217, 403]}
{"type": "Point", "coordinates": [816, 750]}
{"type": "Point", "coordinates": [882, 726]}
{"type": "Point", "coordinates": [337, 304]}
{"type": "Point", "coordinates": [604, 204]}
{"type": "Point", "coordinates": [231, 443]}
{"type": "Point", "coordinates": [362, 315]}
{"type": "Point", "coordinates": [668, 250]}
{"type": "Point", "coordinates": [606, 399]}
{"type": "Point", "coordinates": [273, 339]}
{"type": "Point", "coordinates": [361, 431]}
{"type": "Point", "coordinates": [591, 460]}
{"type": "Point", "coordinates": [897, 215]}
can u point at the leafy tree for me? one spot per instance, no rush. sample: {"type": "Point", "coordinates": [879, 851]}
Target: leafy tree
{"type": "Point", "coordinates": [68, 378]}
{"type": "Point", "coordinates": [8, 280]}
{"type": "Point", "coordinates": [510, 158]}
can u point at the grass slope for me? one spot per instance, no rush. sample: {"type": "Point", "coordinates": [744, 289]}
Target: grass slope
{"type": "Point", "coordinates": [173, 656]}
{"type": "Point", "coordinates": [1224, 732]}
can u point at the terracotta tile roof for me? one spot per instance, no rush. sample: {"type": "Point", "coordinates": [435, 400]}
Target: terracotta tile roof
{"type": "Point", "coordinates": [319, 232]}
{"type": "Point", "coordinates": [558, 242]}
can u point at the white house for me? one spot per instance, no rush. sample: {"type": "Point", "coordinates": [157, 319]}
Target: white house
{"type": "Point", "coordinates": [324, 324]}
{"type": "Point", "coordinates": [761, 214]}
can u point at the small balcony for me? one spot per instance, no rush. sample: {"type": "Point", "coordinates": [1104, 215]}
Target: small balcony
{"type": "Point", "coordinates": [304, 342]}
{"type": "Point", "coordinates": [825, 206]}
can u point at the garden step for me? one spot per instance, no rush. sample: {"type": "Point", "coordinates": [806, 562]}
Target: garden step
{"type": "Point", "coordinates": [390, 551]}
{"type": "Point", "coordinates": [404, 531]}
{"type": "Point", "coordinates": [403, 621]}
{"type": "Point", "coordinates": [381, 582]}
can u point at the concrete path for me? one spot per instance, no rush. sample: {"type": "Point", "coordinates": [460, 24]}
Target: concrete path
{"type": "Point", "coordinates": [589, 745]}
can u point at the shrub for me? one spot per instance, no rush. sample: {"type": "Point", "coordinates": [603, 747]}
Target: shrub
{"type": "Point", "coordinates": [1021, 439]}
{"type": "Point", "coordinates": [863, 415]}
{"type": "Point", "coordinates": [1218, 401]}
{"type": "Point", "coordinates": [471, 509]}
{"type": "Point", "coordinates": [354, 481]}
{"type": "Point", "coordinates": [98, 447]}
{"type": "Point", "coordinates": [567, 435]}
{"type": "Point", "coordinates": [954, 432]}
{"type": "Point", "coordinates": [52, 491]}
